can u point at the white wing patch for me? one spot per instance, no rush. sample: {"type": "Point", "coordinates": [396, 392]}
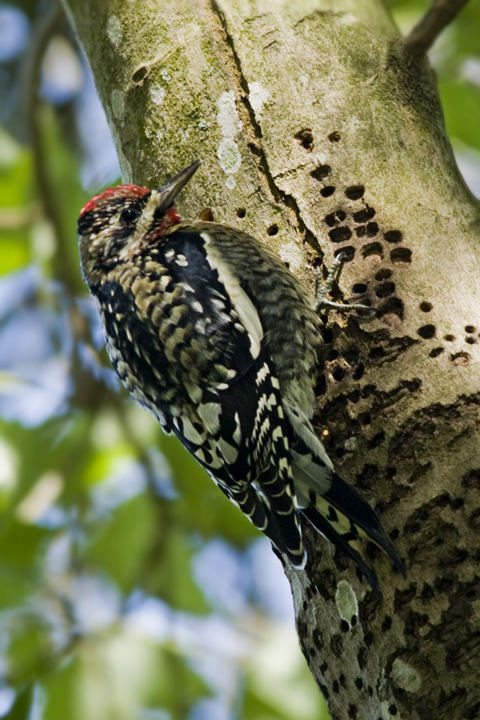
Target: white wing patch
{"type": "Point", "coordinates": [240, 300]}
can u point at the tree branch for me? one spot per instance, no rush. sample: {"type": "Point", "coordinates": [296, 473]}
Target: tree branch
{"type": "Point", "coordinates": [45, 186]}
{"type": "Point", "coordinates": [423, 35]}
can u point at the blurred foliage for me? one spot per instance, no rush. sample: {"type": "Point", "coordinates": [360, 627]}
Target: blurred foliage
{"type": "Point", "coordinates": [129, 586]}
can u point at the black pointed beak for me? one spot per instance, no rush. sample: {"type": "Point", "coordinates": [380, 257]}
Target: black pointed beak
{"type": "Point", "coordinates": [173, 187]}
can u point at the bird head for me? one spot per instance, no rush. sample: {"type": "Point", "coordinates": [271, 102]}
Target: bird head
{"type": "Point", "coordinates": [116, 224]}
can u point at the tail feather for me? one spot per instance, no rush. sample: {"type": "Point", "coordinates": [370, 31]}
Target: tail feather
{"type": "Point", "coordinates": [346, 499]}
{"type": "Point", "coordinates": [270, 506]}
{"type": "Point", "coordinates": [336, 509]}
{"type": "Point", "coordinates": [349, 543]}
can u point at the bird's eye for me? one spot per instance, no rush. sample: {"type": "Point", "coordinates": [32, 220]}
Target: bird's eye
{"type": "Point", "coordinates": [129, 215]}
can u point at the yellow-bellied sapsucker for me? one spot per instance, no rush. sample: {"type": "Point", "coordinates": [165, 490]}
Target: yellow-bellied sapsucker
{"type": "Point", "coordinates": [211, 332]}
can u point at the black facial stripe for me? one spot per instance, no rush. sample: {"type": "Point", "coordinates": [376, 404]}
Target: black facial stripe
{"type": "Point", "coordinates": [129, 209]}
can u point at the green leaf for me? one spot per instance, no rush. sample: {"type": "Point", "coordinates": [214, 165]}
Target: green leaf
{"type": "Point", "coordinates": [171, 577]}
{"type": "Point", "coordinates": [30, 646]}
{"type": "Point", "coordinates": [122, 544]}
{"type": "Point", "coordinates": [176, 686]}
{"type": "Point", "coordinates": [461, 106]}
{"type": "Point", "coordinates": [22, 706]}
{"type": "Point", "coordinates": [20, 543]}
{"type": "Point", "coordinates": [112, 676]}
{"type": "Point", "coordinates": [202, 506]}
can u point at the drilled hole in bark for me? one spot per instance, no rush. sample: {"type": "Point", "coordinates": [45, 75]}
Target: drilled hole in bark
{"type": "Point", "coordinates": [372, 229]}
{"type": "Point", "coordinates": [355, 192]}
{"type": "Point", "coordinates": [358, 372]}
{"type": "Point", "coordinates": [272, 230]}
{"type": "Point", "coordinates": [359, 683]}
{"type": "Point", "coordinates": [338, 373]}
{"type": "Point", "coordinates": [327, 335]}
{"type": "Point", "coordinates": [361, 231]}
{"type": "Point", "coordinates": [436, 352]}
{"type": "Point", "coordinates": [383, 274]}
{"type": "Point", "coordinates": [140, 74]}
{"type": "Point", "coordinates": [331, 220]}
{"type": "Point", "coordinates": [362, 658]}
{"type": "Point", "coordinates": [376, 441]}
{"type": "Point", "coordinates": [472, 712]}
{"type": "Point", "coordinates": [470, 340]}
{"type": "Point", "coordinates": [393, 236]}
{"type": "Point", "coordinates": [206, 215]}
{"type": "Point", "coordinates": [372, 249]}
{"type": "Point", "coordinates": [359, 288]}
{"type": "Point", "coordinates": [321, 387]}
{"type": "Point", "coordinates": [427, 592]}
{"type": "Point", "coordinates": [344, 626]}
{"type": "Point", "coordinates": [349, 252]}
{"type": "Point", "coordinates": [368, 390]}
{"type": "Point", "coordinates": [376, 353]}
{"type": "Point", "coordinates": [387, 623]}
{"type": "Point", "coordinates": [341, 215]}
{"type": "Point", "coordinates": [334, 136]}
{"type": "Point", "coordinates": [385, 289]}
{"type": "Point", "coordinates": [427, 331]}
{"type": "Point", "coordinates": [449, 338]}
{"type": "Point", "coordinates": [401, 255]}
{"type": "Point", "coordinates": [321, 172]}
{"type": "Point", "coordinates": [460, 358]}
{"type": "Point", "coordinates": [426, 306]}
{"type": "Point", "coordinates": [332, 355]}
{"type": "Point", "coordinates": [472, 479]}
{"type": "Point", "coordinates": [363, 216]}
{"type": "Point", "coordinates": [392, 306]}
{"type": "Point", "coordinates": [367, 478]}
{"type": "Point", "coordinates": [241, 212]}
{"type": "Point", "coordinates": [327, 191]}
{"type": "Point", "coordinates": [351, 355]}
{"type": "Point", "coordinates": [368, 636]}
{"type": "Point", "coordinates": [469, 328]}
{"type": "Point", "coordinates": [305, 139]}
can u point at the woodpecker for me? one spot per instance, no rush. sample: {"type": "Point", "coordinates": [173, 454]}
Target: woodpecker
{"type": "Point", "coordinates": [209, 330]}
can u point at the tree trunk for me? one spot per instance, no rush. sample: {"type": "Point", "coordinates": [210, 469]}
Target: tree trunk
{"type": "Point", "coordinates": [322, 131]}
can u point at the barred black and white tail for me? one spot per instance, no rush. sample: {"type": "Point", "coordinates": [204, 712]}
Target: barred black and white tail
{"type": "Point", "coordinates": [335, 508]}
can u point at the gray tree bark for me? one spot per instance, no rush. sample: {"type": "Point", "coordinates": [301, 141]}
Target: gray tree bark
{"type": "Point", "coordinates": [321, 132]}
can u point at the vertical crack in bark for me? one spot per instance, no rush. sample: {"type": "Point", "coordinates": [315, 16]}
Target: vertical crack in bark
{"type": "Point", "coordinates": [392, 395]}
{"type": "Point", "coordinates": [212, 9]}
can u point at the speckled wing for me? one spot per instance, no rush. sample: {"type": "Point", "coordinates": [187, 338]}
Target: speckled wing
{"type": "Point", "coordinates": [234, 422]}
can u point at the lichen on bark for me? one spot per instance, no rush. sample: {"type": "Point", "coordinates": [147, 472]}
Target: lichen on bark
{"type": "Point", "coordinates": [319, 133]}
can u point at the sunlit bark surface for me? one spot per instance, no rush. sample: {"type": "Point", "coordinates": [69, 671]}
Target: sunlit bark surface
{"type": "Point", "coordinates": [320, 132]}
